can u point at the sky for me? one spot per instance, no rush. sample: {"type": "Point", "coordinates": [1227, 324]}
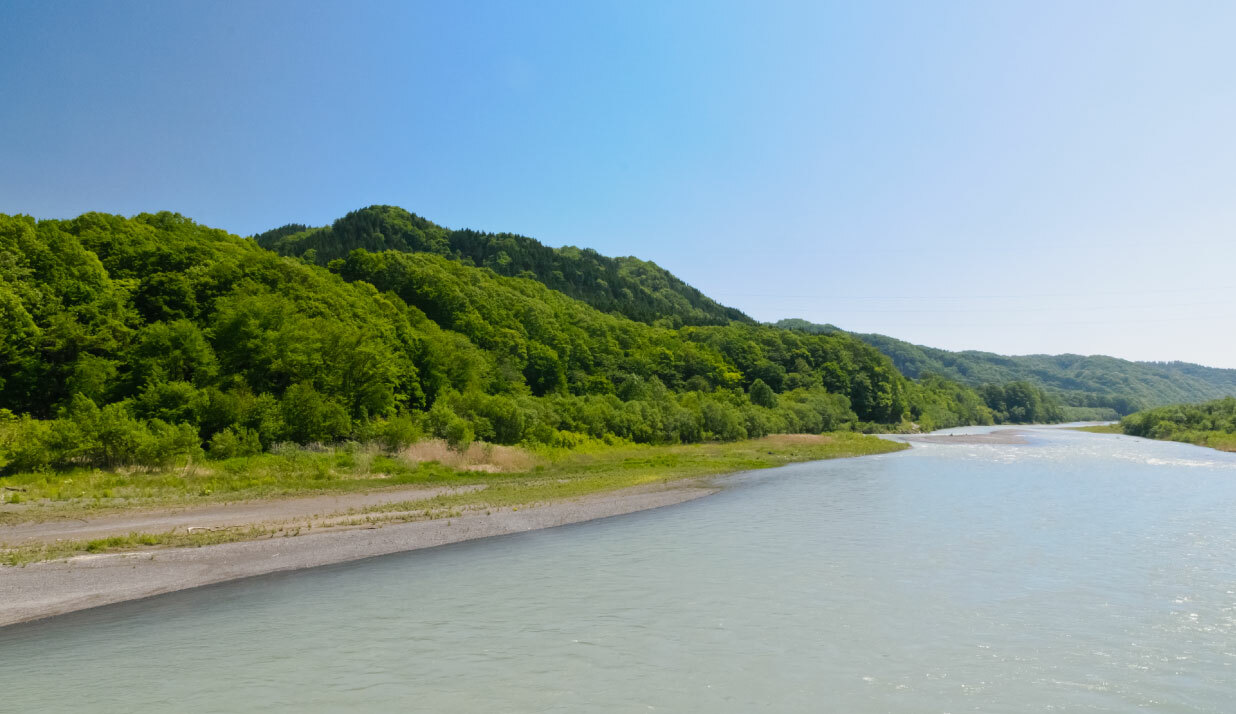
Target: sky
{"type": "Point", "coordinates": [1016, 177]}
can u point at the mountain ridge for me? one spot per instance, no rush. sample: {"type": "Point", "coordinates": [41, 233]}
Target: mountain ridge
{"type": "Point", "coordinates": [1124, 385]}
{"type": "Point", "coordinates": [635, 288]}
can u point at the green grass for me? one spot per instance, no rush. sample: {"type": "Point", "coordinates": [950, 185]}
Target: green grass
{"type": "Point", "coordinates": [576, 475]}
{"type": "Point", "coordinates": [560, 475]}
{"type": "Point", "coordinates": [1099, 429]}
{"type": "Point", "coordinates": [25, 554]}
{"type": "Point", "coordinates": [83, 492]}
{"type": "Point", "coordinates": [1221, 440]}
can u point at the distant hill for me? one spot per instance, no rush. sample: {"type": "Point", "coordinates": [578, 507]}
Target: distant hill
{"type": "Point", "coordinates": [1087, 381]}
{"type": "Point", "coordinates": [637, 289]}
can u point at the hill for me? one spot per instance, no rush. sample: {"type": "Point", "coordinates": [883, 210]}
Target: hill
{"type": "Point", "coordinates": [148, 339]}
{"type": "Point", "coordinates": [634, 288]}
{"type": "Point", "coordinates": [1079, 381]}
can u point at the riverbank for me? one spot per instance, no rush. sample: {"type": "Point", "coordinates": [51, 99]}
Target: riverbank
{"type": "Point", "coordinates": [85, 559]}
{"type": "Point", "coordinates": [1213, 439]}
{"type": "Point", "coordinates": [56, 587]}
{"type": "Point", "coordinates": [1113, 428]}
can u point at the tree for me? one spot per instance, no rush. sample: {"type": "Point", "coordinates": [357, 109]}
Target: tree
{"type": "Point", "coordinates": [762, 395]}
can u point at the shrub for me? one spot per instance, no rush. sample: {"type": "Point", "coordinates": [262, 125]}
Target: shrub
{"type": "Point", "coordinates": [24, 445]}
{"type": "Point", "coordinates": [164, 443]}
{"type": "Point", "coordinates": [231, 443]}
{"type": "Point", "coordinates": [459, 435]}
{"type": "Point", "coordinates": [398, 432]}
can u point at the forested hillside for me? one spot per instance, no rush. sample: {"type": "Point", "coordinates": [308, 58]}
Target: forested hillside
{"type": "Point", "coordinates": [1079, 381]}
{"type": "Point", "coordinates": [147, 339]}
{"type": "Point", "coordinates": [631, 287]}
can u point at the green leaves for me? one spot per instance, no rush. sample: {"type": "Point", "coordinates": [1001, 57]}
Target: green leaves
{"type": "Point", "coordinates": [139, 340]}
{"type": "Point", "coordinates": [762, 395]}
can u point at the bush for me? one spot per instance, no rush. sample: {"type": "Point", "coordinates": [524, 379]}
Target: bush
{"type": "Point", "coordinates": [88, 436]}
{"type": "Point", "coordinates": [459, 435]}
{"type": "Point", "coordinates": [118, 438]}
{"type": "Point", "coordinates": [164, 443]}
{"type": "Point", "coordinates": [398, 432]}
{"type": "Point", "coordinates": [229, 443]}
{"type": "Point", "coordinates": [24, 445]}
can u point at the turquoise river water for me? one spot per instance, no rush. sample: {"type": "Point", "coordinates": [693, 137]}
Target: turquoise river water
{"type": "Point", "coordinates": [1073, 573]}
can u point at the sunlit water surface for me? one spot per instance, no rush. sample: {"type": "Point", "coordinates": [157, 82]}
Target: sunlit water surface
{"type": "Point", "coordinates": [1077, 572]}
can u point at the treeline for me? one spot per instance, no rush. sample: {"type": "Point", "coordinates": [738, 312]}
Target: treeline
{"type": "Point", "coordinates": [634, 288]}
{"type": "Point", "coordinates": [1094, 387]}
{"type": "Point", "coordinates": [1209, 424]}
{"type": "Point", "coordinates": [150, 339]}
{"type": "Point", "coordinates": [1021, 403]}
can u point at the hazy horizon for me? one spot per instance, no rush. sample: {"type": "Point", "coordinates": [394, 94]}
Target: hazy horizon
{"type": "Point", "coordinates": [1016, 178]}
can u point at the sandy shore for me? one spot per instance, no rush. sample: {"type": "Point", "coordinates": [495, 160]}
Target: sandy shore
{"type": "Point", "coordinates": [51, 588]}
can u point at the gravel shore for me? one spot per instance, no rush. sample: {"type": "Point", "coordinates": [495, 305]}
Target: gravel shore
{"type": "Point", "coordinates": [44, 589]}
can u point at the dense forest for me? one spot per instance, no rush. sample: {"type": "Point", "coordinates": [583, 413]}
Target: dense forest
{"type": "Point", "coordinates": [149, 339]}
{"type": "Point", "coordinates": [637, 289]}
{"type": "Point", "coordinates": [1209, 424]}
{"type": "Point", "coordinates": [145, 340]}
{"type": "Point", "coordinates": [1114, 386]}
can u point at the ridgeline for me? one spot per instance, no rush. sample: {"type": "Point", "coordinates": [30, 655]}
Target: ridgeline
{"type": "Point", "coordinates": [1090, 387]}
{"type": "Point", "coordinates": [634, 288]}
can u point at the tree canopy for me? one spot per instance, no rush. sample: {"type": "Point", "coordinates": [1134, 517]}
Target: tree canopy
{"type": "Point", "coordinates": [152, 338]}
{"type": "Point", "coordinates": [637, 289]}
{"type": "Point", "coordinates": [1211, 423]}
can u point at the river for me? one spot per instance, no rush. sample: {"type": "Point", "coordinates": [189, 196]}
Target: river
{"type": "Point", "coordinates": [1075, 572]}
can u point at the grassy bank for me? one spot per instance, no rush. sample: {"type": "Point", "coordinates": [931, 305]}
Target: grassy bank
{"type": "Point", "coordinates": [1221, 440]}
{"type": "Point", "coordinates": [535, 477]}
{"type": "Point", "coordinates": [1099, 429]}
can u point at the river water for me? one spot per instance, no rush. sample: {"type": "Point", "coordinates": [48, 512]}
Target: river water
{"type": "Point", "coordinates": [1073, 573]}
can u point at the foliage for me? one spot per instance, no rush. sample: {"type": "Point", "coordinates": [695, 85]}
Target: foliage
{"type": "Point", "coordinates": [232, 443]}
{"type": "Point", "coordinates": [1208, 424]}
{"type": "Point", "coordinates": [1099, 383]}
{"type": "Point", "coordinates": [1021, 403]}
{"type": "Point", "coordinates": [150, 339]}
{"type": "Point", "coordinates": [762, 395]}
{"type": "Point", "coordinates": [637, 289]}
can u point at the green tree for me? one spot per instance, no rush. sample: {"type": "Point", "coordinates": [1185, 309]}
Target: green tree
{"type": "Point", "coordinates": [762, 395]}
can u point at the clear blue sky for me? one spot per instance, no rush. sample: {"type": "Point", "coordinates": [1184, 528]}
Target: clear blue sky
{"type": "Point", "coordinates": [1015, 177]}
